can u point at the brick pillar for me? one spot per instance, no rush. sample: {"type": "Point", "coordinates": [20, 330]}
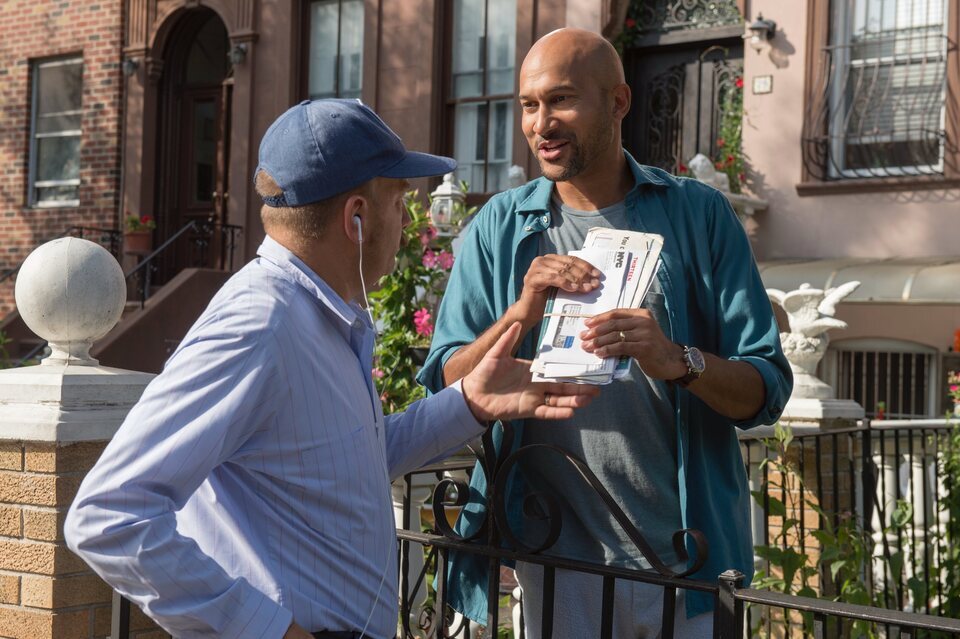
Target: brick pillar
{"type": "Point", "coordinates": [55, 422]}
{"type": "Point", "coordinates": [47, 590]}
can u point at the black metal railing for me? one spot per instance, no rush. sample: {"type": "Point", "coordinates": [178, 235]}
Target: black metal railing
{"type": "Point", "coordinates": [827, 618]}
{"type": "Point", "coordinates": [108, 238]}
{"type": "Point", "coordinates": [201, 235]}
{"type": "Point", "coordinates": [140, 277]}
{"type": "Point", "coordinates": [848, 467]}
{"type": "Point", "coordinates": [878, 108]}
{"type": "Point", "coordinates": [673, 15]}
{"type": "Point", "coordinates": [872, 471]}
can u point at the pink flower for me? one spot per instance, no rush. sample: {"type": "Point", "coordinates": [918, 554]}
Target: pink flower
{"type": "Point", "coordinates": [422, 323]}
{"type": "Point", "coordinates": [445, 260]}
{"type": "Point", "coordinates": [430, 259]}
{"type": "Point", "coordinates": [739, 83]}
{"type": "Point", "coordinates": [377, 373]}
{"type": "Point", "coordinates": [427, 234]}
{"type": "Point", "coordinates": [954, 388]}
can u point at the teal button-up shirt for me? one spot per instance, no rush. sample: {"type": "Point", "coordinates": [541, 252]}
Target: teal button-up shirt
{"type": "Point", "coordinates": [715, 301]}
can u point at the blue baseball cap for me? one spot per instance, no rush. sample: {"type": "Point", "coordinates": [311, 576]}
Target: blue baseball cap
{"type": "Point", "coordinates": [321, 148]}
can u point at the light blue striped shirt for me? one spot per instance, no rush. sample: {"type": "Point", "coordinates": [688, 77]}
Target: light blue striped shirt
{"type": "Point", "coordinates": [250, 486]}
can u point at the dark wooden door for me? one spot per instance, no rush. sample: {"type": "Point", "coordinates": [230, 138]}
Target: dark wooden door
{"type": "Point", "coordinates": [193, 147]}
{"type": "Point", "coordinates": [678, 95]}
{"type": "Point", "coordinates": [199, 141]}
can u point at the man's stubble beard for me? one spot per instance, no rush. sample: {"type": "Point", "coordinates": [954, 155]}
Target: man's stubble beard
{"type": "Point", "coordinates": [584, 154]}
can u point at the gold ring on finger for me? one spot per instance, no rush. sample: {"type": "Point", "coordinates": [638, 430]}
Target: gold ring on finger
{"type": "Point", "coordinates": [623, 337]}
{"type": "Point", "coordinates": [546, 399]}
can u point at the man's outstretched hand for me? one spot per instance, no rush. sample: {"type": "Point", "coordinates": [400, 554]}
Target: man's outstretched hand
{"type": "Point", "coordinates": [500, 387]}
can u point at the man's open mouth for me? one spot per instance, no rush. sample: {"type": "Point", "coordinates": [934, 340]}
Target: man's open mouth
{"type": "Point", "coordinates": [551, 149]}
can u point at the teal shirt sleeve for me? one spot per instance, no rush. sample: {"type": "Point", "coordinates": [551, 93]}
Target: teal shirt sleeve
{"type": "Point", "coordinates": [748, 328]}
{"type": "Point", "coordinates": [468, 308]}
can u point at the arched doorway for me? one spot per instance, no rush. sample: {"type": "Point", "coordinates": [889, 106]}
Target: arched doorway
{"type": "Point", "coordinates": [193, 135]}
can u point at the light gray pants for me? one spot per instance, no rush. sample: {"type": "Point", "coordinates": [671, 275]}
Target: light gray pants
{"type": "Point", "coordinates": [578, 602]}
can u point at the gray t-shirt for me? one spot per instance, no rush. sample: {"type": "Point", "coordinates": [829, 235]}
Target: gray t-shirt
{"type": "Point", "coordinates": [626, 436]}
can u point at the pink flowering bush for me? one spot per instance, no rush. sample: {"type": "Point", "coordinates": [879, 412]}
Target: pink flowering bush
{"type": "Point", "coordinates": [422, 322]}
{"type": "Point", "coordinates": [405, 306]}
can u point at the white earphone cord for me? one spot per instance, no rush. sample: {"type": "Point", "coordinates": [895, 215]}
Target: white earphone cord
{"type": "Point", "coordinates": [366, 303]}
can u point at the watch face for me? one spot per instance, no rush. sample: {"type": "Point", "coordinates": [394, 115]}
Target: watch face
{"type": "Point", "coordinates": [695, 360]}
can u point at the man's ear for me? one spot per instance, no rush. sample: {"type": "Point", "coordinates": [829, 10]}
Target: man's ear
{"type": "Point", "coordinates": [353, 207]}
{"type": "Point", "coordinates": [621, 101]}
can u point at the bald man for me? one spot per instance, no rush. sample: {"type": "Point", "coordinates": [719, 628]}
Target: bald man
{"type": "Point", "coordinates": [705, 352]}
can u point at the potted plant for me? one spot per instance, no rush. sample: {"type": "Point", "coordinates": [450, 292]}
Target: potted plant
{"type": "Point", "coordinates": [138, 234]}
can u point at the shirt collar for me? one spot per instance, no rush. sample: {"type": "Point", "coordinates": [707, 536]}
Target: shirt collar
{"type": "Point", "coordinates": [539, 198]}
{"type": "Point", "coordinates": [297, 271]}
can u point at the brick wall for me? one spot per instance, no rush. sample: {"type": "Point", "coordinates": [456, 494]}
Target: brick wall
{"type": "Point", "coordinates": [47, 592]}
{"type": "Point", "coordinates": [36, 29]}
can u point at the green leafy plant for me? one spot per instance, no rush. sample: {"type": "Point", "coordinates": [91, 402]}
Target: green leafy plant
{"type": "Point", "coordinates": [405, 305]}
{"type": "Point", "coordinates": [138, 223]}
{"type": "Point", "coordinates": [845, 546]}
{"type": "Point", "coordinates": [948, 469]}
{"type": "Point", "coordinates": [729, 158]}
{"type": "Point", "coordinates": [4, 355]}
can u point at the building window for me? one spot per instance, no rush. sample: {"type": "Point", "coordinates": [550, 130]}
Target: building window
{"type": "Point", "coordinates": [891, 374]}
{"type": "Point", "coordinates": [335, 66]}
{"type": "Point", "coordinates": [481, 96]}
{"type": "Point", "coordinates": [54, 178]}
{"type": "Point", "coordinates": [880, 108]}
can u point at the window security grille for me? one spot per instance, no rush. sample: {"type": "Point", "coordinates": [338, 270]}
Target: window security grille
{"type": "Point", "coordinates": [898, 380]}
{"type": "Point", "coordinates": [879, 110]}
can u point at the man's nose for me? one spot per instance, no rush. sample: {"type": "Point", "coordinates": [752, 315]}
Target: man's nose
{"type": "Point", "coordinates": [543, 121]}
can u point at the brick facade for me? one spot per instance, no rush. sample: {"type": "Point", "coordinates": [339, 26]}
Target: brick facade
{"type": "Point", "coordinates": [47, 592]}
{"type": "Point", "coordinates": [32, 30]}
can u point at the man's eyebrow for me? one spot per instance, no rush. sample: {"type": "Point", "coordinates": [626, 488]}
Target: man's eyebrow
{"type": "Point", "coordinates": [559, 88]}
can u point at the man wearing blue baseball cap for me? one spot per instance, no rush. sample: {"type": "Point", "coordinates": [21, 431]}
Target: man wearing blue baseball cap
{"type": "Point", "coordinates": [247, 494]}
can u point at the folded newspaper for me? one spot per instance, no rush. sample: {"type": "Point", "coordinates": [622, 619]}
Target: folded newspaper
{"type": "Point", "coordinates": [628, 262]}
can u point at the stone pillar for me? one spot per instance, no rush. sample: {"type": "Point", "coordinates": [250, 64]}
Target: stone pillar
{"type": "Point", "coordinates": [55, 420]}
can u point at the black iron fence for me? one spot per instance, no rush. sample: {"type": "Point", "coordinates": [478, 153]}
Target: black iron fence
{"type": "Point", "coordinates": [208, 245]}
{"type": "Point", "coordinates": [107, 238]}
{"type": "Point", "coordinates": [882, 480]}
{"type": "Point", "coordinates": [212, 246]}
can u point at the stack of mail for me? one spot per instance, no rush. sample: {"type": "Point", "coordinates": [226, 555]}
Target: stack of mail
{"type": "Point", "coordinates": [628, 262]}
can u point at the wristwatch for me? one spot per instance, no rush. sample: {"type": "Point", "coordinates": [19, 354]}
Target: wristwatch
{"type": "Point", "coordinates": [693, 358]}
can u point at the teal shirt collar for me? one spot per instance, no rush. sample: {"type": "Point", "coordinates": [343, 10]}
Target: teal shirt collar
{"type": "Point", "coordinates": [539, 199]}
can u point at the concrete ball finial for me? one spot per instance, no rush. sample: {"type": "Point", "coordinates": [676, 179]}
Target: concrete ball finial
{"type": "Point", "coordinates": [70, 292]}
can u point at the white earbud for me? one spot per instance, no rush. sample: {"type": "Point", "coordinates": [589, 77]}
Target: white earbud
{"type": "Point", "coordinates": [359, 223]}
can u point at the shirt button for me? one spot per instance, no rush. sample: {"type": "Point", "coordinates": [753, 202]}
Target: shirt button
{"type": "Point", "coordinates": [528, 228]}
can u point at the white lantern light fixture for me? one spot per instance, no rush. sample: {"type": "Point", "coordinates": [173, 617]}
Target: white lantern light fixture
{"type": "Point", "coordinates": [443, 203]}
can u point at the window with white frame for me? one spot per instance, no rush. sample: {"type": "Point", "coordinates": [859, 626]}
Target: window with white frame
{"type": "Point", "coordinates": [884, 374]}
{"type": "Point", "coordinates": [55, 129]}
{"type": "Point", "coordinates": [335, 64]}
{"type": "Point", "coordinates": [887, 88]}
{"type": "Point", "coordinates": [482, 91]}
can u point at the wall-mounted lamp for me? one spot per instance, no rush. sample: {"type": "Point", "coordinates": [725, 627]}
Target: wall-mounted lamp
{"type": "Point", "coordinates": [760, 32]}
{"type": "Point", "coordinates": [444, 202]}
{"type": "Point", "coordinates": [129, 66]}
{"type": "Point", "coordinates": [237, 54]}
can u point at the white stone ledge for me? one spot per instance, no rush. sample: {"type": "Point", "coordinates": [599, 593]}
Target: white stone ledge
{"type": "Point", "coordinates": [67, 403]}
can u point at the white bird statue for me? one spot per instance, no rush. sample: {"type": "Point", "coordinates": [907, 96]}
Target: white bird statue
{"type": "Point", "coordinates": [810, 312]}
